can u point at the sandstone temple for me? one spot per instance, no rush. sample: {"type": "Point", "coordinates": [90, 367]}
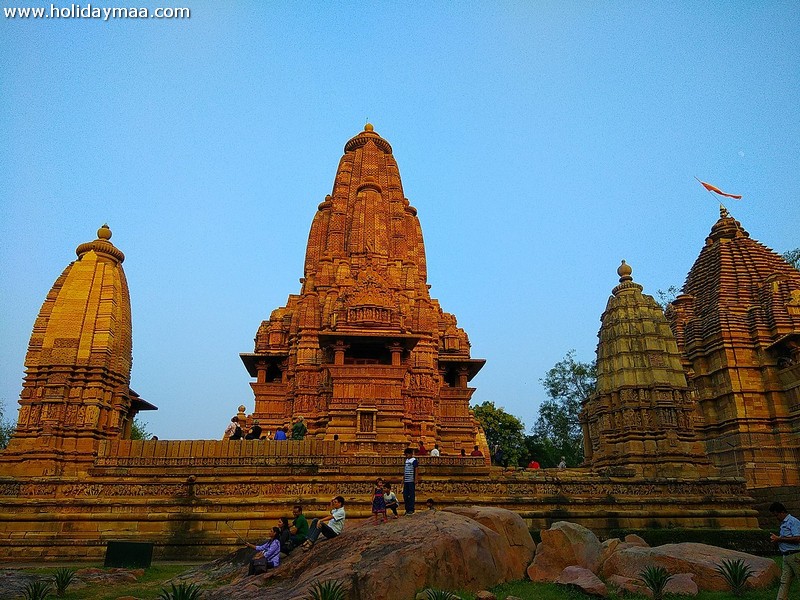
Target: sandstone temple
{"type": "Point", "coordinates": [695, 414]}
{"type": "Point", "coordinates": [364, 352]}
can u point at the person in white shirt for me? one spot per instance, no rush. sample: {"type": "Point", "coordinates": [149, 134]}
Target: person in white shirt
{"type": "Point", "coordinates": [329, 526]}
{"type": "Point", "coordinates": [435, 451]}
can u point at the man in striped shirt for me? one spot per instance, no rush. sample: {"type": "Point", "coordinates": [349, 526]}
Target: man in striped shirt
{"type": "Point", "coordinates": [409, 481]}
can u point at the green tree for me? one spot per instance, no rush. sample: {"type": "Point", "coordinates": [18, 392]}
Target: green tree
{"type": "Point", "coordinates": [502, 430]}
{"type": "Point", "coordinates": [568, 384]}
{"type": "Point", "coordinates": [665, 297]}
{"type": "Point", "coordinates": [792, 257]}
{"type": "Point", "coordinates": [139, 430]}
{"type": "Point", "coordinates": [6, 427]}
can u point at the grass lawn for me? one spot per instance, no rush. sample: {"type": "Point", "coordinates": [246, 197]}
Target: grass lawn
{"type": "Point", "coordinates": [149, 587]}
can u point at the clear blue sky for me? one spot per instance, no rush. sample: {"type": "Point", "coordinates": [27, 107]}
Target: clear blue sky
{"type": "Point", "coordinates": [541, 142]}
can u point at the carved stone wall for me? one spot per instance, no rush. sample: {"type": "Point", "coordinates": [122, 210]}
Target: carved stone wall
{"type": "Point", "coordinates": [179, 495]}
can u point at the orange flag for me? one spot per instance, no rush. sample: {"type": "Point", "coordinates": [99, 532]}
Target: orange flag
{"type": "Point", "coordinates": [716, 190]}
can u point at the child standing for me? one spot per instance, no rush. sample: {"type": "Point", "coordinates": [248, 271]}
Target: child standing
{"type": "Point", "coordinates": [378, 501]}
{"type": "Point", "coordinates": [390, 499]}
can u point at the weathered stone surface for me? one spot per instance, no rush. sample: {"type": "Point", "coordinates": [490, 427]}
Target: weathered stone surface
{"type": "Point", "coordinates": [627, 584]}
{"type": "Point", "coordinates": [635, 540]}
{"type": "Point", "coordinates": [509, 525]}
{"type": "Point", "coordinates": [564, 545]}
{"type": "Point", "coordinates": [607, 547]}
{"type": "Point", "coordinates": [699, 559]}
{"type": "Point", "coordinates": [584, 579]}
{"type": "Point", "coordinates": [682, 584]}
{"type": "Point", "coordinates": [485, 595]}
{"type": "Point", "coordinates": [436, 549]}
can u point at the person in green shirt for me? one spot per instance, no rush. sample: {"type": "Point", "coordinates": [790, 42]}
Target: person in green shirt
{"type": "Point", "coordinates": [299, 528]}
{"type": "Point", "coordinates": [299, 429]}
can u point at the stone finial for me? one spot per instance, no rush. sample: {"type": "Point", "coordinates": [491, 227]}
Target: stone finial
{"type": "Point", "coordinates": [369, 127]}
{"type": "Point", "coordinates": [723, 212]}
{"type": "Point", "coordinates": [626, 283]}
{"type": "Point", "coordinates": [102, 245]}
{"type": "Point", "coordinates": [624, 271]}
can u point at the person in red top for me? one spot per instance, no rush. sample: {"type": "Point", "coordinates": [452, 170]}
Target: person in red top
{"type": "Point", "coordinates": [422, 450]}
{"type": "Point", "coordinates": [476, 451]}
{"type": "Point", "coordinates": [533, 464]}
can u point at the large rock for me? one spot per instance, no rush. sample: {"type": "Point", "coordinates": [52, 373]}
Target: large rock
{"type": "Point", "coordinates": [682, 584]}
{"type": "Point", "coordinates": [509, 525]}
{"type": "Point", "coordinates": [700, 559]}
{"type": "Point", "coordinates": [440, 549]}
{"type": "Point", "coordinates": [584, 579]}
{"type": "Point", "coordinates": [564, 545]}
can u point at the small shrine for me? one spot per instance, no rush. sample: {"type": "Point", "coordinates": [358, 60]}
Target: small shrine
{"type": "Point", "coordinates": [642, 415]}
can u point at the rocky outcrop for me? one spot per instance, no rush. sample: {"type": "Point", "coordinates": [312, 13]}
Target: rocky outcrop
{"type": "Point", "coordinates": [700, 559]}
{"type": "Point", "coordinates": [564, 545]}
{"type": "Point", "coordinates": [440, 549]}
{"type": "Point", "coordinates": [584, 579]}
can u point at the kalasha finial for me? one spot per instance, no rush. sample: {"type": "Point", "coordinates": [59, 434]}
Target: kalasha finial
{"type": "Point", "coordinates": [369, 127]}
{"type": "Point", "coordinates": [104, 233]}
{"type": "Point", "coordinates": [624, 271]}
{"type": "Point", "coordinates": [723, 212]}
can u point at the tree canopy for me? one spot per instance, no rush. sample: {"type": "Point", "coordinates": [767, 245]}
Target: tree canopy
{"type": "Point", "coordinates": [792, 257]}
{"type": "Point", "coordinates": [502, 430]}
{"type": "Point", "coordinates": [557, 431]}
{"type": "Point", "coordinates": [139, 430]}
{"type": "Point", "coordinates": [6, 427]}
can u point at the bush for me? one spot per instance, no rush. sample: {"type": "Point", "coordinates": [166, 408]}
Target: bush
{"type": "Point", "coordinates": [37, 590]}
{"type": "Point", "coordinates": [185, 591]}
{"type": "Point", "coordinates": [62, 578]}
{"type": "Point", "coordinates": [736, 573]}
{"type": "Point", "coordinates": [327, 590]}
{"type": "Point", "coordinates": [655, 578]}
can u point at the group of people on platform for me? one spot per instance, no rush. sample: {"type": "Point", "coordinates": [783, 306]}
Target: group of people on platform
{"type": "Point", "coordinates": [234, 431]}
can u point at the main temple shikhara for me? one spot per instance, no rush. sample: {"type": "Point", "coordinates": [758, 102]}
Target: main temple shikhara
{"type": "Point", "coordinates": [695, 421]}
{"type": "Point", "coordinates": [364, 352]}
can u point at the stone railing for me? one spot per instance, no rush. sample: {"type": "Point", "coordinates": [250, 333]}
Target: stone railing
{"type": "Point", "coordinates": [324, 455]}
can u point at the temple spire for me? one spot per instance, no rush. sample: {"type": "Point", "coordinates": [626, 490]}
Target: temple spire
{"type": "Point", "coordinates": [641, 414]}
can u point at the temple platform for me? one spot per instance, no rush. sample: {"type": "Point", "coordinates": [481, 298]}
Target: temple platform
{"type": "Point", "coordinates": [188, 497]}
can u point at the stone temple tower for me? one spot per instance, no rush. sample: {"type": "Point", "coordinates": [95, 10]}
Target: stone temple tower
{"type": "Point", "coordinates": [641, 416]}
{"type": "Point", "coordinates": [363, 351]}
{"type": "Point", "coordinates": [78, 367]}
{"type": "Point", "coordinates": [737, 323]}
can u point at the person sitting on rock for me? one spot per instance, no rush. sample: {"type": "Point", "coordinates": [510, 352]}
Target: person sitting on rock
{"type": "Point", "coordinates": [431, 504]}
{"type": "Point", "coordinates": [390, 498]}
{"type": "Point", "coordinates": [299, 528]}
{"type": "Point", "coordinates": [268, 554]}
{"type": "Point", "coordinates": [286, 535]}
{"type": "Point", "coordinates": [329, 526]}
{"type": "Point", "coordinates": [280, 433]}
